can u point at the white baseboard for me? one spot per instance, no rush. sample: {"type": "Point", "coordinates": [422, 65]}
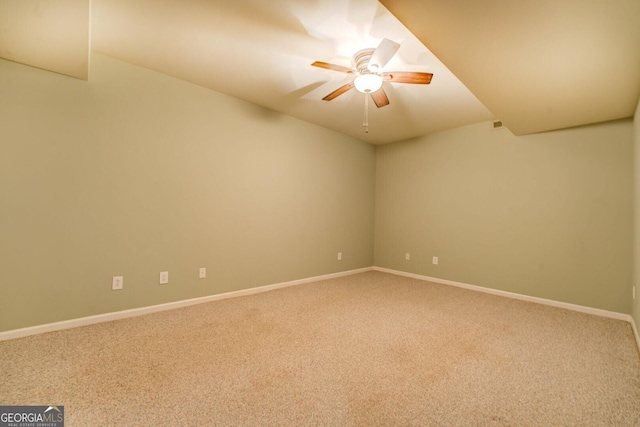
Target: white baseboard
{"type": "Point", "coordinates": [107, 317]}
{"type": "Point", "coordinates": [566, 305]}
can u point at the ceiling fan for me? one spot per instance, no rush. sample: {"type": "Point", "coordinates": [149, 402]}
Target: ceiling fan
{"type": "Point", "coordinates": [368, 74]}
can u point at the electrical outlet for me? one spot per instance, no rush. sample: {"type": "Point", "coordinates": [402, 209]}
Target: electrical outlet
{"type": "Point", "coordinates": [202, 273]}
{"type": "Point", "coordinates": [117, 283]}
{"type": "Point", "coordinates": [339, 256]}
{"type": "Point", "coordinates": [407, 256]}
{"type": "Point", "coordinates": [164, 277]}
{"type": "Point", "coordinates": [434, 260]}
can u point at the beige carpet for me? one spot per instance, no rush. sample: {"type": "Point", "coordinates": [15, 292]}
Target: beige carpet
{"type": "Point", "coordinates": [371, 349]}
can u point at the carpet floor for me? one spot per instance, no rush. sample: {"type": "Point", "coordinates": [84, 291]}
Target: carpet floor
{"type": "Point", "coordinates": [370, 349]}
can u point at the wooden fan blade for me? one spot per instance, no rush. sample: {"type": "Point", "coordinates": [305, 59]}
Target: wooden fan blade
{"type": "Point", "coordinates": [333, 67]}
{"type": "Point", "coordinates": [408, 77]}
{"type": "Point", "coordinates": [338, 92]}
{"type": "Point", "coordinates": [383, 53]}
{"type": "Point", "coordinates": [380, 98]}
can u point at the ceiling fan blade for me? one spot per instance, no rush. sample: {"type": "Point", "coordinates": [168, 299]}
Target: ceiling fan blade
{"type": "Point", "coordinates": [380, 98]}
{"type": "Point", "coordinates": [333, 67]}
{"type": "Point", "coordinates": [408, 77]}
{"type": "Point", "coordinates": [338, 92]}
{"type": "Point", "coordinates": [383, 53]}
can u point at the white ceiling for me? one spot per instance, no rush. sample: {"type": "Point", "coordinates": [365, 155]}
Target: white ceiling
{"type": "Point", "coordinates": [537, 65]}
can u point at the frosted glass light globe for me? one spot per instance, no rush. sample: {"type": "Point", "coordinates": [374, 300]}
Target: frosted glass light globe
{"type": "Point", "coordinates": [368, 83]}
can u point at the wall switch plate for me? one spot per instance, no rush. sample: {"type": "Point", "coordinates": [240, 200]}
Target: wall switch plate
{"type": "Point", "coordinates": [202, 273]}
{"type": "Point", "coordinates": [117, 283]}
{"type": "Point", "coordinates": [634, 292]}
{"type": "Point", "coordinates": [164, 277]}
{"type": "Point", "coordinates": [434, 260]}
{"type": "Point", "coordinates": [407, 256]}
{"type": "Point", "coordinates": [339, 256]}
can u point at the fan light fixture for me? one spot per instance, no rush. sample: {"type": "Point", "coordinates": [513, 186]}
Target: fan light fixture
{"type": "Point", "coordinates": [367, 83]}
{"type": "Point", "coordinates": [368, 75]}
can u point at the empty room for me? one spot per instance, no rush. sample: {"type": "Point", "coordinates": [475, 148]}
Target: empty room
{"type": "Point", "coordinates": [347, 213]}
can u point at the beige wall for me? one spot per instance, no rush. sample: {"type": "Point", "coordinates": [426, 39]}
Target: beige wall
{"type": "Point", "coordinates": [636, 252]}
{"type": "Point", "coordinates": [546, 215]}
{"type": "Point", "coordinates": [133, 173]}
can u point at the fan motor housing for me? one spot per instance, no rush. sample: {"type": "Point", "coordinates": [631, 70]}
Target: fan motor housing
{"type": "Point", "coordinates": [361, 60]}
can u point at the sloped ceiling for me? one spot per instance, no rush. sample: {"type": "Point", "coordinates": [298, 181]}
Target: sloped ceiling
{"type": "Point", "coordinates": [535, 65]}
{"type": "Point", "coordinates": [52, 35]}
{"type": "Point", "coordinates": [262, 52]}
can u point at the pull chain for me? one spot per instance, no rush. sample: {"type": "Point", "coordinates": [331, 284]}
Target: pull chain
{"type": "Point", "coordinates": [366, 113]}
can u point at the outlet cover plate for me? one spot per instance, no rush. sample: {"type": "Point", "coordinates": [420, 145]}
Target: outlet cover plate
{"type": "Point", "coordinates": [164, 277]}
